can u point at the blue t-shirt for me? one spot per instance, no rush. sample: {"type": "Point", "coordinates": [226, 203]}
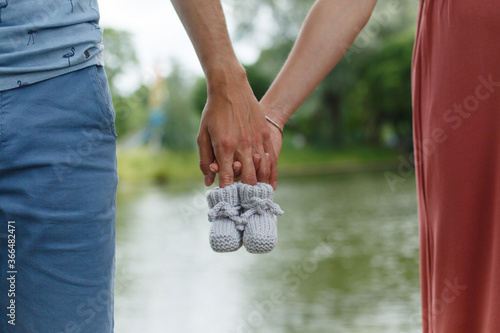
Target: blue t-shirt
{"type": "Point", "coordinates": [42, 39]}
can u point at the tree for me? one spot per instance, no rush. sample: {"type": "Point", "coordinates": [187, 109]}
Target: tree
{"type": "Point", "coordinates": [119, 55]}
{"type": "Point", "coordinates": [355, 102]}
{"type": "Point", "coordinates": [179, 131]}
{"type": "Point", "coordinates": [381, 99]}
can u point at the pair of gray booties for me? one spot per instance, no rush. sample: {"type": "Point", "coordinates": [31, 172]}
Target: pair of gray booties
{"type": "Point", "coordinates": [243, 214]}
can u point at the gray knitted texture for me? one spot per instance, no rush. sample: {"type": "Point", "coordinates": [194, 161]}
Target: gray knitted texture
{"type": "Point", "coordinates": [259, 212]}
{"type": "Point", "coordinates": [224, 213]}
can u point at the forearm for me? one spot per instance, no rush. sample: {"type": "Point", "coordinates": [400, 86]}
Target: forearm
{"type": "Point", "coordinates": [206, 26]}
{"type": "Point", "coordinates": [329, 29]}
{"type": "Point", "coordinates": [233, 126]}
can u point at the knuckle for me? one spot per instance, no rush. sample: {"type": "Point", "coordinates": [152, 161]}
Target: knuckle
{"type": "Point", "coordinates": [225, 179]}
{"type": "Point", "coordinates": [245, 141]}
{"type": "Point", "coordinates": [226, 145]}
{"type": "Point", "coordinates": [250, 179]}
{"type": "Point", "coordinates": [265, 173]}
{"type": "Point", "coordinates": [266, 134]}
{"type": "Point", "coordinates": [200, 138]}
{"type": "Point", "coordinates": [204, 165]}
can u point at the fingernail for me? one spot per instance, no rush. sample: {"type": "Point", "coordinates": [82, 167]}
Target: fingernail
{"type": "Point", "coordinates": [207, 180]}
{"type": "Point", "coordinates": [211, 169]}
{"type": "Point", "coordinates": [275, 184]}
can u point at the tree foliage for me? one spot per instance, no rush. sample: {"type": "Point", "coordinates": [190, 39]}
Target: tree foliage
{"type": "Point", "coordinates": [366, 99]}
{"type": "Point", "coordinates": [119, 54]}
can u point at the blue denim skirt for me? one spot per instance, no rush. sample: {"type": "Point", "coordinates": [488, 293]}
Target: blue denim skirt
{"type": "Point", "coordinates": [58, 179]}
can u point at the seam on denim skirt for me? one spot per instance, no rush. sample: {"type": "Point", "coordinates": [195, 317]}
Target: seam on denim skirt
{"type": "Point", "coordinates": [102, 97]}
{"type": "Point", "coordinates": [1, 115]}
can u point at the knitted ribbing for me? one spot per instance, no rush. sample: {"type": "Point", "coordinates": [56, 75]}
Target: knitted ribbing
{"type": "Point", "coordinates": [259, 211]}
{"type": "Point", "coordinates": [224, 213]}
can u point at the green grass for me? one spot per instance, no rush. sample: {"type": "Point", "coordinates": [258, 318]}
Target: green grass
{"type": "Point", "coordinates": [145, 166]}
{"type": "Point", "coordinates": [309, 161]}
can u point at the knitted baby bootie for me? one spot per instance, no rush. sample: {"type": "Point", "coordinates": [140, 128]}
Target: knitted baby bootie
{"type": "Point", "coordinates": [224, 213]}
{"type": "Point", "coordinates": [259, 211]}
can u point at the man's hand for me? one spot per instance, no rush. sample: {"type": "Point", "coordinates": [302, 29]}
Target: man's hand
{"type": "Point", "coordinates": [233, 128]}
{"type": "Point", "coordinates": [276, 140]}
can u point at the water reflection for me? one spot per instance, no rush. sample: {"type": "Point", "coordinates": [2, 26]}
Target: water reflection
{"type": "Point", "coordinates": [346, 261]}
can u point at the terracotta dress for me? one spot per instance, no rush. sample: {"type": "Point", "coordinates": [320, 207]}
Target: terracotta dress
{"type": "Point", "coordinates": [456, 97]}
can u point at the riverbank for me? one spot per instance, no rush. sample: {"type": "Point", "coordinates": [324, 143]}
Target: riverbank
{"type": "Point", "coordinates": [162, 167]}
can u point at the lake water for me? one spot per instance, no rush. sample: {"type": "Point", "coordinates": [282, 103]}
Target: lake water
{"type": "Point", "coordinates": [346, 261]}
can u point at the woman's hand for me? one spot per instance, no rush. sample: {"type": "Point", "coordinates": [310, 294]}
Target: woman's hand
{"type": "Point", "coordinates": [276, 139]}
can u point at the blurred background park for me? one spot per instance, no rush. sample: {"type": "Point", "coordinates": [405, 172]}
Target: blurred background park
{"type": "Point", "coordinates": [347, 258]}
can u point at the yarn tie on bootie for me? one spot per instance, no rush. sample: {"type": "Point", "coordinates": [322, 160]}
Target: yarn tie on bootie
{"type": "Point", "coordinates": [224, 209]}
{"type": "Point", "coordinates": [260, 206]}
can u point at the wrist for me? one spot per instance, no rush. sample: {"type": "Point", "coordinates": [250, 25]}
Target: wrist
{"type": "Point", "coordinates": [277, 113]}
{"type": "Point", "coordinates": [275, 126]}
{"type": "Point", "coordinates": [225, 75]}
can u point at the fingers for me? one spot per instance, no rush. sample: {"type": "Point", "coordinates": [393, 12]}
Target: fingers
{"type": "Point", "coordinates": [224, 155]}
{"type": "Point", "coordinates": [237, 166]}
{"type": "Point", "coordinates": [237, 169]}
{"type": "Point", "coordinates": [214, 167]}
{"type": "Point", "coordinates": [263, 171]}
{"type": "Point", "coordinates": [273, 179]}
{"type": "Point", "coordinates": [256, 161]}
{"type": "Point", "coordinates": [226, 173]}
{"type": "Point", "coordinates": [248, 174]}
{"type": "Point", "coordinates": [206, 158]}
{"type": "Point", "coordinates": [273, 165]}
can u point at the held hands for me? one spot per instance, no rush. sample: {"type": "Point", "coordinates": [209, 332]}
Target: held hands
{"type": "Point", "coordinates": [233, 127]}
{"type": "Point", "coordinates": [276, 139]}
{"type": "Point", "coordinates": [234, 133]}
